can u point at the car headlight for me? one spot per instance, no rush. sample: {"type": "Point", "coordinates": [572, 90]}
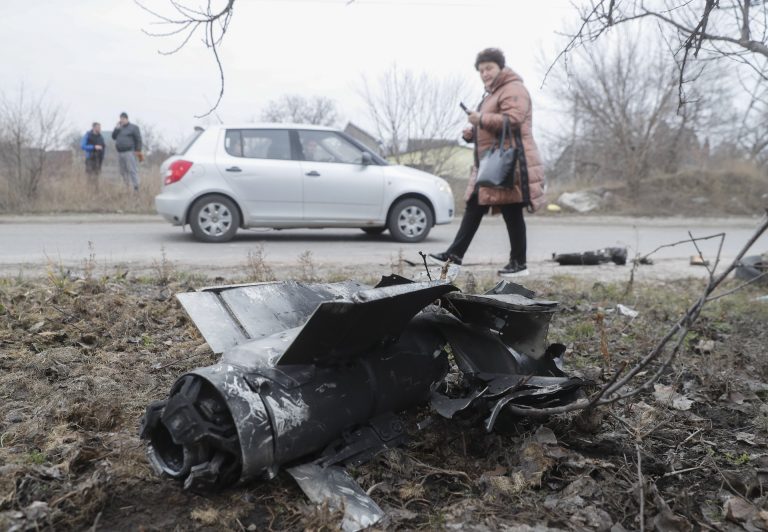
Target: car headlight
{"type": "Point", "coordinates": [443, 187]}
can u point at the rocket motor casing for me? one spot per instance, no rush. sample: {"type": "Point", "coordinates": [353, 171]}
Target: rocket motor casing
{"type": "Point", "coordinates": [269, 416]}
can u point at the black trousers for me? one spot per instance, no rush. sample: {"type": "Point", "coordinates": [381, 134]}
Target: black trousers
{"type": "Point", "coordinates": [93, 166]}
{"type": "Point", "coordinates": [473, 215]}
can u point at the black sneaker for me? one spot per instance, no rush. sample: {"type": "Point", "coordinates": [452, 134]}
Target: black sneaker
{"type": "Point", "coordinates": [442, 258]}
{"type": "Point", "coordinates": [513, 269]}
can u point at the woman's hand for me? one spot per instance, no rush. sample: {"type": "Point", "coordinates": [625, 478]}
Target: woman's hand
{"type": "Point", "coordinates": [474, 118]}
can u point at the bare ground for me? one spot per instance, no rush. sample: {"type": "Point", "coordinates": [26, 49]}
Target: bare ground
{"type": "Point", "coordinates": [80, 358]}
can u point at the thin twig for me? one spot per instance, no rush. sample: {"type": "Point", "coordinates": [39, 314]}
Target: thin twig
{"type": "Point", "coordinates": [681, 471]}
{"type": "Point", "coordinates": [426, 267]}
{"type": "Point", "coordinates": [687, 241]}
{"type": "Point", "coordinates": [176, 362]}
{"type": "Point", "coordinates": [701, 256]}
{"type": "Point", "coordinates": [731, 291]}
{"type": "Point", "coordinates": [593, 401]}
{"type": "Point", "coordinates": [640, 486]}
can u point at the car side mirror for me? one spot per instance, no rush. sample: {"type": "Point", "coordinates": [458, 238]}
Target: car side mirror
{"type": "Point", "coordinates": [367, 158]}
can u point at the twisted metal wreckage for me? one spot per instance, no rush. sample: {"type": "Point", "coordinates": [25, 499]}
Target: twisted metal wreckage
{"type": "Point", "coordinates": [312, 375]}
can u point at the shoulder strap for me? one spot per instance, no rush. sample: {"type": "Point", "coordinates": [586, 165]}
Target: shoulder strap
{"type": "Point", "coordinates": [524, 184]}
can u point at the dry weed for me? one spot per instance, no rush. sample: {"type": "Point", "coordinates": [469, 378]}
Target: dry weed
{"type": "Point", "coordinates": [256, 266]}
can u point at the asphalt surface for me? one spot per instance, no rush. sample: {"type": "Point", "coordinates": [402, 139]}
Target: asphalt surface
{"type": "Point", "coordinates": [31, 244]}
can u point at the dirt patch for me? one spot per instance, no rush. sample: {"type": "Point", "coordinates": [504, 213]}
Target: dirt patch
{"type": "Point", "coordinates": [81, 358]}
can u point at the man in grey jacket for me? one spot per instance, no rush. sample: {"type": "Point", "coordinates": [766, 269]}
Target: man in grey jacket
{"type": "Point", "coordinates": [127, 139]}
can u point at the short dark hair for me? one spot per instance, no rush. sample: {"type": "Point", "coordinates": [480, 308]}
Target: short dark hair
{"type": "Point", "coordinates": [490, 55]}
{"type": "Point", "coordinates": [123, 115]}
{"type": "Point", "coordinates": [95, 124]}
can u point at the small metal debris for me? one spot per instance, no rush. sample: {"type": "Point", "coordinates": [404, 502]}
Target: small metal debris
{"type": "Point", "coordinates": [753, 268]}
{"type": "Point", "coordinates": [592, 258]}
{"type": "Point", "coordinates": [626, 311]}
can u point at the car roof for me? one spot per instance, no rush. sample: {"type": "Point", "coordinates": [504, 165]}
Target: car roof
{"type": "Point", "coordinates": [269, 125]}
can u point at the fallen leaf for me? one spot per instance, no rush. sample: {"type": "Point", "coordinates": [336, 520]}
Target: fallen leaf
{"type": "Point", "coordinates": [544, 435]}
{"type": "Point", "coordinates": [666, 395]}
{"type": "Point", "coordinates": [746, 437]}
{"type": "Point", "coordinates": [738, 510]}
{"type": "Point", "coordinates": [681, 403]}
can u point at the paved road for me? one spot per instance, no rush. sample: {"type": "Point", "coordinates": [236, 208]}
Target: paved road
{"type": "Point", "coordinates": [29, 243]}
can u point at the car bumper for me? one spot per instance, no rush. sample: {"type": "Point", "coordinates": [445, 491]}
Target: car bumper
{"type": "Point", "coordinates": [444, 208]}
{"type": "Point", "coordinates": [172, 203]}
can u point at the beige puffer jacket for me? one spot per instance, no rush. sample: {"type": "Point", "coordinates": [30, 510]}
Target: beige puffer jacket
{"type": "Point", "coordinates": [508, 96]}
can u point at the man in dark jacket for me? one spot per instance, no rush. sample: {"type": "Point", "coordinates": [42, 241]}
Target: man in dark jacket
{"type": "Point", "coordinates": [93, 146]}
{"type": "Point", "coordinates": [127, 139]}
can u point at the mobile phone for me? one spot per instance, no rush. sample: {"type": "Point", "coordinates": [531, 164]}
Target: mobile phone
{"type": "Point", "coordinates": [463, 107]}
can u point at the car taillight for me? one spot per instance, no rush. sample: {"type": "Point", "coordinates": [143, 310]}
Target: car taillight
{"type": "Point", "coordinates": [176, 171]}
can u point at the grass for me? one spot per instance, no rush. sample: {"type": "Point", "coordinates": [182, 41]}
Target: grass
{"type": "Point", "coordinates": [70, 192]}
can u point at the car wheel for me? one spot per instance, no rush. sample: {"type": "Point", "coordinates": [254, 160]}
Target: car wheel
{"type": "Point", "coordinates": [373, 230]}
{"type": "Point", "coordinates": [214, 218]}
{"type": "Point", "coordinates": [410, 220]}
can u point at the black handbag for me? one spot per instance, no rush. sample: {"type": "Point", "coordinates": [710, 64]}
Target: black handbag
{"type": "Point", "coordinates": [497, 167]}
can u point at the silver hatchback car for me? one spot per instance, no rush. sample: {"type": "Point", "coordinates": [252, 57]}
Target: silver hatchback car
{"type": "Point", "coordinates": [295, 176]}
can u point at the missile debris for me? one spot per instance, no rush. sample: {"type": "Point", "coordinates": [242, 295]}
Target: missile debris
{"type": "Point", "coordinates": [312, 377]}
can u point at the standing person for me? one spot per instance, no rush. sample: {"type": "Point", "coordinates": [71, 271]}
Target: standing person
{"type": "Point", "coordinates": [127, 139]}
{"type": "Point", "coordinates": [94, 148]}
{"type": "Point", "coordinates": [504, 94]}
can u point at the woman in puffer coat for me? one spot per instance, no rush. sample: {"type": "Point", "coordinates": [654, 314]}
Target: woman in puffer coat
{"type": "Point", "coordinates": [505, 94]}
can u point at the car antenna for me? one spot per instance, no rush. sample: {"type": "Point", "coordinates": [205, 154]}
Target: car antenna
{"type": "Point", "coordinates": [215, 113]}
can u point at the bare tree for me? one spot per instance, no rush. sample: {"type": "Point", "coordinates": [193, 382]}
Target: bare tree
{"type": "Point", "coordinates": [625, 120]}
{"type": "Point", "coordinates": [416, 113]}
{"type": "Point", "coordinates": [294, 108]}
{"type": "Point", "coordinates": [696, 30]}
{"type": "Point", "coordinates": [751, 135]}
{"type": "Point", "coordinates": [30, 126]}
{"type": "Point", "coordinates": [185, 22]}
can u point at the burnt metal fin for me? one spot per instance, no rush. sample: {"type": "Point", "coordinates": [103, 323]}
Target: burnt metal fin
{"type": "Point", "coordinates": [536, 397]}
{"type": "Point", "coordinates": [508, 287]}
{"type": "Point", "coordinates": [339, 330]}
{"type": "Point", "coordinates": [231, 315]}
{"type": "Point", "coordinates": [474, 349]}
{"type": "Point", "coordinates": [523, 323]}
{"type": "Point", "coordinates": [213, 320]}
{"type": "Point", "coordinates": [392, 280]}
{"type": "Point", "coordinates": [447, 407]}
{"type": "Point", "coordinates": [334, 485]}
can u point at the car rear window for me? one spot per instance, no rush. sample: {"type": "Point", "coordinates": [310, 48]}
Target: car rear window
{"type": "Point", "coordinates": [258, 143]}
{"type": "Point", "coordinates": [190, 140]}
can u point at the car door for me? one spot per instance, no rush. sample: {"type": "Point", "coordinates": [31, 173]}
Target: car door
{"type": "Point", "coordinates": [267, 180]}
{"type": "Point", "coordinates": [338, 187]}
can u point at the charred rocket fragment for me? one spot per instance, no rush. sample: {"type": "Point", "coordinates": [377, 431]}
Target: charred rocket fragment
{"type": "Point", "coordinates": [312, 376]}
{"type": "Point", "coordinates": [592, 258]}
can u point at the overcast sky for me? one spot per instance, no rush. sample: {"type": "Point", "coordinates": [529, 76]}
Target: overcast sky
{"type": "Point", "coordinates": [93, 58]}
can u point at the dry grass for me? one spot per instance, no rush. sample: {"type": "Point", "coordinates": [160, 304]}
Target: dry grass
{"type": "Point", "coordinates": [70, 192]}
{"type": "Point", "coordinates": [726, 188]}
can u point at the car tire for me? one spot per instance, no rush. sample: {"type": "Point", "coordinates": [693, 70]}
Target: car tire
{"type": "Point", "coordinates": [373, 230]}
{"type": "Point", "coordinates": [410, 220]}
{"type": "Point", "coordinates": [214, 218]}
